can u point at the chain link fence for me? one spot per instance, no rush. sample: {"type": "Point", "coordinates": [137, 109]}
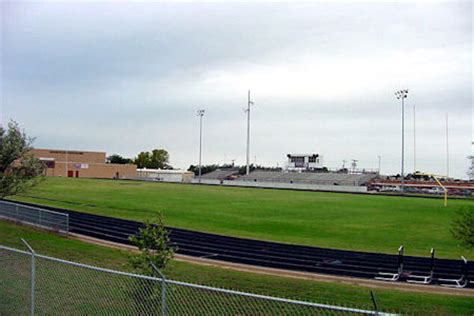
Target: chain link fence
{"type": "Point", "coordinates": [31, 283]}
{"type": "Point", "coordinates": [35, 216]}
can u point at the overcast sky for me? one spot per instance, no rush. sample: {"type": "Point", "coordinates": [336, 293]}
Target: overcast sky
{"type": "Point", "coordinates": [124, 78]}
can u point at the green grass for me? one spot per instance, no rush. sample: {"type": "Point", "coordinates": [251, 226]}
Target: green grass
{"type": "Point", "coordinates": [321, 292]}
{"type": "Point", "coordinates": [346, 221]}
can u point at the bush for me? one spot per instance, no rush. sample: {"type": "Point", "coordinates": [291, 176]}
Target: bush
{"type": "Point", "coordinates": [153, 243]}
{"type": "Point", "coordinates": [462, 227]}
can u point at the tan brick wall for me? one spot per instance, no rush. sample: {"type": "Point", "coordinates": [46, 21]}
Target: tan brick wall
{"type": "Point", "coordinates": [84, 164]}
{"type": "Point", "coordinates": [70, 155]}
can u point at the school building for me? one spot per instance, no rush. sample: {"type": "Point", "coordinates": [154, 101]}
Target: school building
{"type": "Point", "coordinates": [82, 164]}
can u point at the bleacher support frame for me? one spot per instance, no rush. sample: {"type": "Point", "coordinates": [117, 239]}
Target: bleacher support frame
{"type": "Point", "coordinates": [393, 277]}
{"type": "Point", "coordinates": [420, 279]}
{"type": "Point", "coordinates": [462, 282]}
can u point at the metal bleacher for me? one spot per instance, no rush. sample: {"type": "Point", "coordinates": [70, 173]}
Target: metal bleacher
{"type": "Point", "coordinates": [220, 174]}
{"type": "Point", "coordinates": [309, 177]}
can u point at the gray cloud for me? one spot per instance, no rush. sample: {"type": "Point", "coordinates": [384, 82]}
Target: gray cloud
{"type": "Point", "coordinates": [129, 77]}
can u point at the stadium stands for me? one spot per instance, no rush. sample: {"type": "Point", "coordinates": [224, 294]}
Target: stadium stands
{"type": "Point", "coordinates": [220, 174]}
{"type": "Point", "coordinates": [309, 177]}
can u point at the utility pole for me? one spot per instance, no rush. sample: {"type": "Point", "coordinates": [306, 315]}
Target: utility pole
{"type": "Point", "coordinates": [354, 165]}
{"type": "Point", "coordinates": [248, 133]}
{"type": "Point", "coordinates": [200, 113]}
{"type": "Point", "coordinates": [402, 94]}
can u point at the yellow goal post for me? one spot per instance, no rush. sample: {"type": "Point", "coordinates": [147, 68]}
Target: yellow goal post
{"type": "Point", "coordinates": [435, 177]}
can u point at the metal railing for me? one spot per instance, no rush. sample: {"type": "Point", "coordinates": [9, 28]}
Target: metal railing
{"type": "Point", "coordinates": [32, 283]}
{"type": "Point", "coordinates": [35, 216]}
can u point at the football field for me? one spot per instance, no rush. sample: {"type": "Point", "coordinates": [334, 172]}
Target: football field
{"type": "Point", "coordinates": [335, 220]}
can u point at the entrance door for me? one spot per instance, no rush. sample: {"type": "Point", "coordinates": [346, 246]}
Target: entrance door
{"type": "Point", "coordinates": [77, 174]}
{"type": "Point", "coordinates": [70, 173]}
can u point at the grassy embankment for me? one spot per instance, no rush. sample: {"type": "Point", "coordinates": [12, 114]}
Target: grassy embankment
{"type": "Point", "coordinates": [321, 292]}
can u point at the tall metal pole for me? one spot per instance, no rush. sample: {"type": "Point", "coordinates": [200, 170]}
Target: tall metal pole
{"type": "Point", "coordinates": [200, 113]}
{"type": "Point", "coordinates": [248, 133]}
{"type": "Point", "coordinates": [67, 163]}
{"type": "Point", "coordinates": [447, 147]}
{"type": "Point", "coordinates": [414, 139]}
{"type": "Point", "coordinates": [402, 186]}
{"type": "Point", "coordinates": [380, 162]}
{"type": "Point", "coordinates": [402, 94]}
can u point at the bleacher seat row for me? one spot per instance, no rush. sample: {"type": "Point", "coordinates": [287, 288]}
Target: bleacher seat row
{"type": "Point", "coordinates": [309, 177]}
{"type": "Point", "coordinates": [460, 282]}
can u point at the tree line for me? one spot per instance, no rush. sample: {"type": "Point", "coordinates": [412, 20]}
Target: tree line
{"type": "Point", "coordinates": [155, 159]}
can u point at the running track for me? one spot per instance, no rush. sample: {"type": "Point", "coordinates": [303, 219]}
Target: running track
{"type": "Point", "coordinates": [263, 253]}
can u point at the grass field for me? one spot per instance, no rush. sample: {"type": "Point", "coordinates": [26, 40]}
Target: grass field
{"type": "Point", "coordinates": [346, 221]}
{"type": "Point", "coordinates": [331, 293]}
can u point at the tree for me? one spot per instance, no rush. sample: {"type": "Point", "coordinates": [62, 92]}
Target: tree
{"type": "Point", "coordinates": [18, 168]}
{"type": "Point", "coordinates": [462, 227]}
{"type": "Point", "coordinates": [243, 169]}
{"type": "Point", "coordinates": [153, 243]}
{"type": "Point", "coordinates": [143, 160]}
{"type": "Point", "coordinates": [204, 169]}
{"type": "Point", "coordinates": [115, 158]}
{"type": "Point", "coordinates": [156, 159]}
{"type": "Point", "coordinates": [154, 249]}
{"type": "Point", "coordinates": [159, 159]}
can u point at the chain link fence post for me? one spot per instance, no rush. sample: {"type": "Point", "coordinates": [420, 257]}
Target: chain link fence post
{"type": "Point", "coordinates": [163, 289]}
{"type": "Point", "coordinates": [33, 276]}
{"type": "Point", "coordinates": [376, 308]}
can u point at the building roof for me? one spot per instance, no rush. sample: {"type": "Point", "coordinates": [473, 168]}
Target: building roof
{"type": "Point", "coordinates": [169, 171]}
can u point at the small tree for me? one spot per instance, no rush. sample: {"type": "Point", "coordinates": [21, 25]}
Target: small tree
{"type": "Point", "coordinates": [462, 226]}
{"type": "Point", "coordinates": [153, 243]}
{"type": "Point", "coordinates": [18, 168]}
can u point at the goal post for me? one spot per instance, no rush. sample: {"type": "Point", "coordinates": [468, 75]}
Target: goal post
{"type": "Point", "coordinates": [435, 177]}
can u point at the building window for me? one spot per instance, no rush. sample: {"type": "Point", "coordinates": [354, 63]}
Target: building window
{"type": "Point", "coordinates": [297, 159]}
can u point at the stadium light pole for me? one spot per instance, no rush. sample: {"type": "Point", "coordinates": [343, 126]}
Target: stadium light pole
{"type": "Point", "coordinates": [200, 113]}
{"type": "Point", "coordinates": [248, 133]}
{"type": "Point", "coordinates": [447, 146]}
{"type": "Point", "coordinates": [414, 139]}
{"type": "Point", "coordinates": [402, 94]}
{"type": "Point", "coordinates": [380, 162]}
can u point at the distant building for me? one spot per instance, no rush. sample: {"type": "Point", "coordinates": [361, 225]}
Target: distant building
{"type": "Point", "coordinates": [304, 162]}
{"type": "Point", "coordinates": [82, 164]}
{"type": "Point", "coordinates": [165, 175]}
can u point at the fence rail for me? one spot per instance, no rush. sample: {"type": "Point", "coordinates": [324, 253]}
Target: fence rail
{"type": "Point", "coordinates": [35, 216]}
{"type": "Point", "coordinates": [32, 283]}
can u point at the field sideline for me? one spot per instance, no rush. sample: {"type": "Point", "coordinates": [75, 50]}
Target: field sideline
{"type": "Point", "coordinates": [335, 220]}
{"type": "Point", "coordinates": [321, 292]}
